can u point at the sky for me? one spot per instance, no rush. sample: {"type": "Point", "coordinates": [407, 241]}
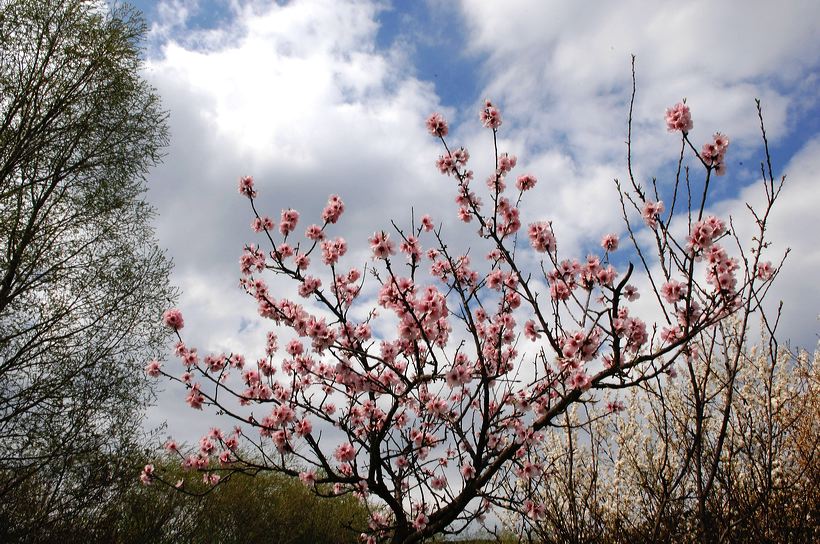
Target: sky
{"type": "Point", "coordinates": [321, 97]}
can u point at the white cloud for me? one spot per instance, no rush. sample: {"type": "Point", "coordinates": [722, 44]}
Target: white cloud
{"type": "Point", "coordinates": [561, 72]}
{"type": "Point", "coordinates": [301, 97]}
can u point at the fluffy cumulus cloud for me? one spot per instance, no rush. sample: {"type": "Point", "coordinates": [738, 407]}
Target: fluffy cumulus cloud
{"type": "Point", "coordinates": [562, 71]}
{"type": "Point", "coordinates": [298, 96]}
{"type": "Point", "coordinates": [311, 99]}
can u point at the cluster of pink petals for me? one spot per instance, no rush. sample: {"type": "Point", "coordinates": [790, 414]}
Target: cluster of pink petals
{"type": "Point", "coordinates": [246, 187]}
{"type": "Point", "coordinates": [651, 211]}
{"type": "Point", "coordinates": [437, 125]}
{"type": "Point", "coordinates": [153, 368]}
{"type": "Point", "coordinates": [449, 164]}
{"type": "Point", "coordinates": [525, 182]}
{"type": "Point", "coordinates": [678, 117]}
{"type": "Point", "coordinates": [632, 329]}
{"type": "Point", "coordinates": [714, 153]}
{"type": "Point", "coordinates": [765, 270]}
{"type": "Point", "coordinates": [541, 237]}
{"type": "Point", "coordinates": [381, 245]}
{"type": "Point", "coordinates": [609, 243]}
{"type": "Point", "coordinates": [720, 270]}
{"type": "Point", "coordinates": [195, 399]}
{"type": "Point", "coordinates": [615, 406]}
{"type": "Point", "coordinates": [534, 511]}
{"type": "Point", "coordinates": [506, 162]}
{"type": "Point", "coordinates": [147, 475]}
{"type": "Point", "coordinates": [345, 452]}
{"type": "Point", "coordinates": [704, 233]}
{"type": "Point", "coordinates": [173, 319]}
{"type": "Point", "coordinates": [673, 291]}
{"type": "Point", "coordinates": [332, 250]}
{"type": "Point", "coordinates": [288, 221]}
{"type": "Point", "coordinates": [333, 210]}
{"type": "Point", "coordinates": [490, 116]}
{"type": "Point", "coordinates": [427, 223]}
{"type": "Point", "coordinates": [251, 259]}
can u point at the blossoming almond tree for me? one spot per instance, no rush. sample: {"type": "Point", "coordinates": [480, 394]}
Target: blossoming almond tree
{"type": "Point", "coordinates": [485, 355]}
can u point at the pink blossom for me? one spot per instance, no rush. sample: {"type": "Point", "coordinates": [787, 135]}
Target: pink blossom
{"type": "Point", "coordinates": [246, 187]}
{"type": "Point", "coordinates": [381, 245]}
{"type": "Point", "coordinates": [630, 293]}
{"type": "Point", "coordinates": [507, 162]}
{"type": "Point", "coordinates": [765, 270]}
{"type": "Point", "coordinates": [147, 475]}
{"type": "Point", "coordinates": [651, 211]}
{"type": "Point", "coordinates": [531, 331]}
{"type": "Point", "coordinates": [288, 220]}
{"type": "Point", "coordinates": [678, 117]}
{"type": "Point", "coordinates": [559, 290]}
{"type": "Point", "coordinates": [262, 223]}
{"type": "Point", "coordinates": [438, 482]}
{"type": "Point", "coordinates": [420, 522]}
{"type": "Point", "coordinates": [541, 237]}
{"type": "Point", "coordinates": [610, 242]}
{"type": "Point", "coordinates": [345, 452]}
{"type": "Point", "coordinates": [314, 232]}
{"type": "Point", "coordinates": [427, 223]}
{"type": "Point", "coordinates": [333, 210]}
{"type": "Point", "coordinates": [714, 153]}
{"type": "Point", "coordinates": [195, 398]}
{"type": "Point", "coordinates": [580, 380]}
{"type": "Point", "coordinates": [304, 427]}
{"type": "Point", "coordinates": [490, 116]}
{"type": "Point", "coordinates": [173, 319]}
{"type": "Point", "coordinates": [437, 125]}
{"type": "Point", "coordinates": [309, 285]}
{"type": "Point", "coordinates": [673, 291]}
{"type": "Point", "coordinates": [153, 368]}
{"type": "Point", "coordinates": [525, 182]}
{"type": "Point", "coordinates": [468, 471]}
{"type": "Point", "coordinates": [308, 477]}
{"type": "Point", "coordinates": [534, 511]}
{"type": "Point", "coordinates": [615, 406]}
{"type": "Point", "coordinates": [332, 250]}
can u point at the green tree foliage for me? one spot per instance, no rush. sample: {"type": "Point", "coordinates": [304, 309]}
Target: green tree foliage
{"type": "Point", "coordinates": [268, 507]}
{"type": "Point", "coordinates": [82, 281]}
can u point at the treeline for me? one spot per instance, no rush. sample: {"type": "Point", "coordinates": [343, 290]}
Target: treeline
{"type": "Point", "coordinates": [261, 508]}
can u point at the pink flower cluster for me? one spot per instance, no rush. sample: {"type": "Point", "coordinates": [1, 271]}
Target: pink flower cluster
{"type": "Point", "coordinates": [381, 245]}
{"type": "Point", "coordinates": [333, 210]}
{"type": "Point", "coordinates": [704, 233]}
{"type": "Point", "coordinates": [609, 243]}
{"type": "Point", "coordinates": [632, 329]}
{"type": "Point", "coordinates": [173, 319]}
{"type": "Point", "coordinates": [651, 211]}
{"type": "Point", "coordinates": [437, 126]}
{"type": "Point", "coordinates": [246, 187]}
{"type": "Point", "coordinates": [288, 221]}
{"type": "Point", "coordinates": [714, 153]}
{"type": "Point", "coordinates": [147, 475]}
{"type": "Point", "coordinates": [541, 237]}
{"type": "Point", "coordinates": [525, 182]}
{"type": "Point", "coordinates": [490, 116]}
{"type": "Point", "coordinates": [678, 117]}
{"type": "Point", "coordinates": [720, 270]}
{"type": "Point", "coordinates": [153, 368]}
{"type": "Point", "coordinates": [449, 164]}
{"type": "Point", "coordinates": [332, 250]}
